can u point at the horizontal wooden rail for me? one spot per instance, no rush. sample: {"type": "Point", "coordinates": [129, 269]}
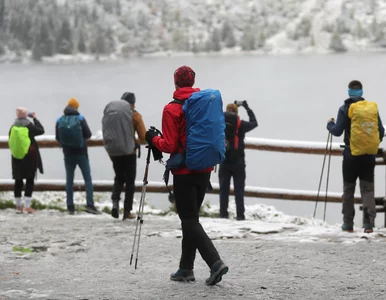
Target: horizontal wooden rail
{"type": "Point", "coordinates": [262, 144]}
{"type": "Point", "coordinates": [159, 187]}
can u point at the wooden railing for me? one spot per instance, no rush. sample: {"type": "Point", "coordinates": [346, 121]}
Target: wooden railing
{"type": "Point", "coordinates": [316, 148]}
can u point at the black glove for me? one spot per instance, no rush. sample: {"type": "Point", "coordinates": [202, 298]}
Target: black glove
{"type": "Point", "coordinates": [150, 134]}
{"type": "Point", "coordinates": [138, 148]}
{"type": "Point", "coordinates": [157, 155]}
{"type": "Point", "coordinates": [245, 104]}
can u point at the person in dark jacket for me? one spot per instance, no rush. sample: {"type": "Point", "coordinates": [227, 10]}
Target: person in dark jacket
{"type": "Point", "coordinates": [125, 167]}
{"type": "Point", "coordinates": [26, 168]}
{"type": "Point", "coordinates": [189, 186]}
{"type": "Point", "coordinates": [76, 156]}
{"type": "Point", "coordinates": [355, 166]}
{"type": "Point", "coordinates": [235, 166]}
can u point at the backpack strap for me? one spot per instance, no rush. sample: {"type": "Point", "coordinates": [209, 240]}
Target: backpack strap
{"type": "Point", "coordinates": [177, 101]}
{"type": "Point", "coordinates": [236, 141]}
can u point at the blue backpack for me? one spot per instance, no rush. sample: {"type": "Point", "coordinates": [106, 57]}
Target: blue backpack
{"type": "Point", "coordinates": [205, 130]}
{"type": "Point", "coordinates": [70, 131]}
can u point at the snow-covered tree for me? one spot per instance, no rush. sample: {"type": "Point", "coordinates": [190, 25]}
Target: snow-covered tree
{"type": "Point", "coordinates": [336, 43]}
{"type": "Point", "coordinates": [64, 41]}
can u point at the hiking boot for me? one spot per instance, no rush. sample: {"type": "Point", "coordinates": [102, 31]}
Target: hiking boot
{"type": "Point", "coordinates": [19, 209]}
{"type": "Point", "coordinates": [71, 211]}
{"type": "Point", "coordinates": [30, 210]}
{"type": "Point", "coordinates": [368, 228]}
{"type": "Point", "coordinates": [347, 227]}
{"type": "Point", "coordinates": [115, 210]}
{"type": "Point", "coordinates": [217, 271]}
{"type": "Point", "coordinates": [128, 215]}
{"type": "Point", "coordinates": [183, 275]}
{"type": "Point", "coordinates": [92, 210]}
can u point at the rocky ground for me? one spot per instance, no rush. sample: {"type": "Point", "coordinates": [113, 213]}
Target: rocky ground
{"type": "Point", "coordinates": [51, 255]}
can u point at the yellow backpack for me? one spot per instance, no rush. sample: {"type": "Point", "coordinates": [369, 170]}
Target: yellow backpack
{"type": "Point", "coordinates": [364, 135]}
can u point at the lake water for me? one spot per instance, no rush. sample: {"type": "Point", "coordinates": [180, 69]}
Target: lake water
{"type": "Point", "coordinates": [292, 97]}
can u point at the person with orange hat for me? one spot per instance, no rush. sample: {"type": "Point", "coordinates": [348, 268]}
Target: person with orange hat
{"type": "Point", "coordinates": [72, 133]}
{"type": "Point", "coordinates": [234, 164]}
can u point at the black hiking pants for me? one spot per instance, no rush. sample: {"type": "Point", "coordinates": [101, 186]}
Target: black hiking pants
{"type": "Point", "coordinates": [29, 187]}
{"type": "Point", "coordinates": [189, 192]}
{"type": "Point", "coordinates": [226, 172]}
{"type": "Point", "coordinates": [361, 167]}
{"type": "Point", "coordinates": [125, 168]}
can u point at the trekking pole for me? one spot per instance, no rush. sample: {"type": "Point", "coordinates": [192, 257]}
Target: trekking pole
{"type": "Point", "coordinates": [321, 174]}
{"type": "Point", "coordinates": [138, 226]}
{"type": "Point", "coordinates": [328, 177]}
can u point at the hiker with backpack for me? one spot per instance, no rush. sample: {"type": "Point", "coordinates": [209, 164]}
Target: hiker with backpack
{"type": "Point", "coordinates": [193, 133]}
{"type": "Point", "coordinates": [72, 133]}
{"type": "Point", "coordinates": [119, 124]}
{"type": "Point", "coordinates": [234, 164]}
{"type": "Point", "coordinates": [363, 131]}
{"type": "Point", "coordinates": [26, 159]}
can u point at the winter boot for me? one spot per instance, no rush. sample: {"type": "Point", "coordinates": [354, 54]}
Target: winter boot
{"type": "Point", "coordinates": [217, 271]}
{"type": "Point", "coordinates": [19, 207]}
{"type": "Point", "coordinates": [347, 227]}
{"type": "Point", "coordinates": [27, 205]}
{"type": "Point", "coordinates": [115, 210]}
{"type": "Point", "coordinates": [182, 275]}
{"type": "Point", "coordinates": [368, 228]}
{"type": "Point", "coordinates": [92, 210]}
{"type": "Point", "coordinates": [128, 215]}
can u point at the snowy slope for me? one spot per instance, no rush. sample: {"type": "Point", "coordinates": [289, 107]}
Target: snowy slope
{"type": "Point", "coordinates": [122, 28]}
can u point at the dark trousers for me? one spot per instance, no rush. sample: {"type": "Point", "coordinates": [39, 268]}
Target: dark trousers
{"type": "Point", "coordinates": [29, 187]}
{"type": "Point", "coordinates": [189, 192]}
{"type": "Point", "coordinates": [125, 168]}
{"type": "Point", "coordinates": [237, 171]}
{"type": "Point", "coordinates": [70, 162]}
{"type": "Point", "coordinates": [361, 167]}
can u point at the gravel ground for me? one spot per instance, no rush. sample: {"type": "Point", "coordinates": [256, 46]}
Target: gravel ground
{"type": "Point", "coordinates": [88, 257]}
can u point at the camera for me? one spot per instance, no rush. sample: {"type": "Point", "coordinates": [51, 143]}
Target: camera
{"type": "Point", "coordinates": [239, 102]}
{"type": "Point", "coordinates": [30, 114]}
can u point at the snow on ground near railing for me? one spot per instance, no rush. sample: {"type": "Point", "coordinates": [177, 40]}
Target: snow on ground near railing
{"type": "Point", "coordinates": [248, 141]}
{"type": "Point", "coordinates": [162, 184]}
{"type": "Point", "coordinates": [289, 143]}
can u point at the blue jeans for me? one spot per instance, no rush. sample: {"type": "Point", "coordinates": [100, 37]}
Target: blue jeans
{"type": "Point", "coordinates": [71, 161]}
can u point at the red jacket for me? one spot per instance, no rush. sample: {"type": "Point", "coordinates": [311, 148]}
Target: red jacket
{"type": "Point", "coordinates": [174, 128]}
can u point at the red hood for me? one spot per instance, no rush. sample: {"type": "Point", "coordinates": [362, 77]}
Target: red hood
{"type": "Point", "coordinates": [184, 93]}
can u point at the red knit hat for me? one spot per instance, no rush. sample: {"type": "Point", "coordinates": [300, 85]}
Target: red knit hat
{"type": "Point", "coordinates": [184, 76]}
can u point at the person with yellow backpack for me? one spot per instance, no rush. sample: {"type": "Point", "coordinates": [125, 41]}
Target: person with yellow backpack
{"type": "Point", "coordinates": [26, 157]}
{"type": "Point", "coordinates": [363, 131]}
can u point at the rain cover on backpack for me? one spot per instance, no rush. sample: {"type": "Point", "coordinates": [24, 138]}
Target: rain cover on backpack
{"type": "Point", "coordinates": [19, 141]}
{"type": "Point", "coordinates": [70, 131]}
{"type": "Point", "coordinates": [364, 133]}
{"type": "Point", "coordinates": [117, 128]}
{"type": "Point", "coordinates": [205, 130]}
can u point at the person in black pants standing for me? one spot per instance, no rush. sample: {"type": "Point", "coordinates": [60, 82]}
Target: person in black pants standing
{"type": "Point", "coordinates": [234, 164]}
{"type": "Point", "coordinates": [189, 186]}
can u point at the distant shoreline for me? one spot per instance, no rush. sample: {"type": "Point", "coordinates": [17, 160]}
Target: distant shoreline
{"type": "Point", "coordinates": [87, 58]}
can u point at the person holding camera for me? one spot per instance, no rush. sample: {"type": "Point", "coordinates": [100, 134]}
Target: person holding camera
{"type": "Point", "coordinates": [26, 157]}
{"type": "Point", "coordinates": [234, 164]}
